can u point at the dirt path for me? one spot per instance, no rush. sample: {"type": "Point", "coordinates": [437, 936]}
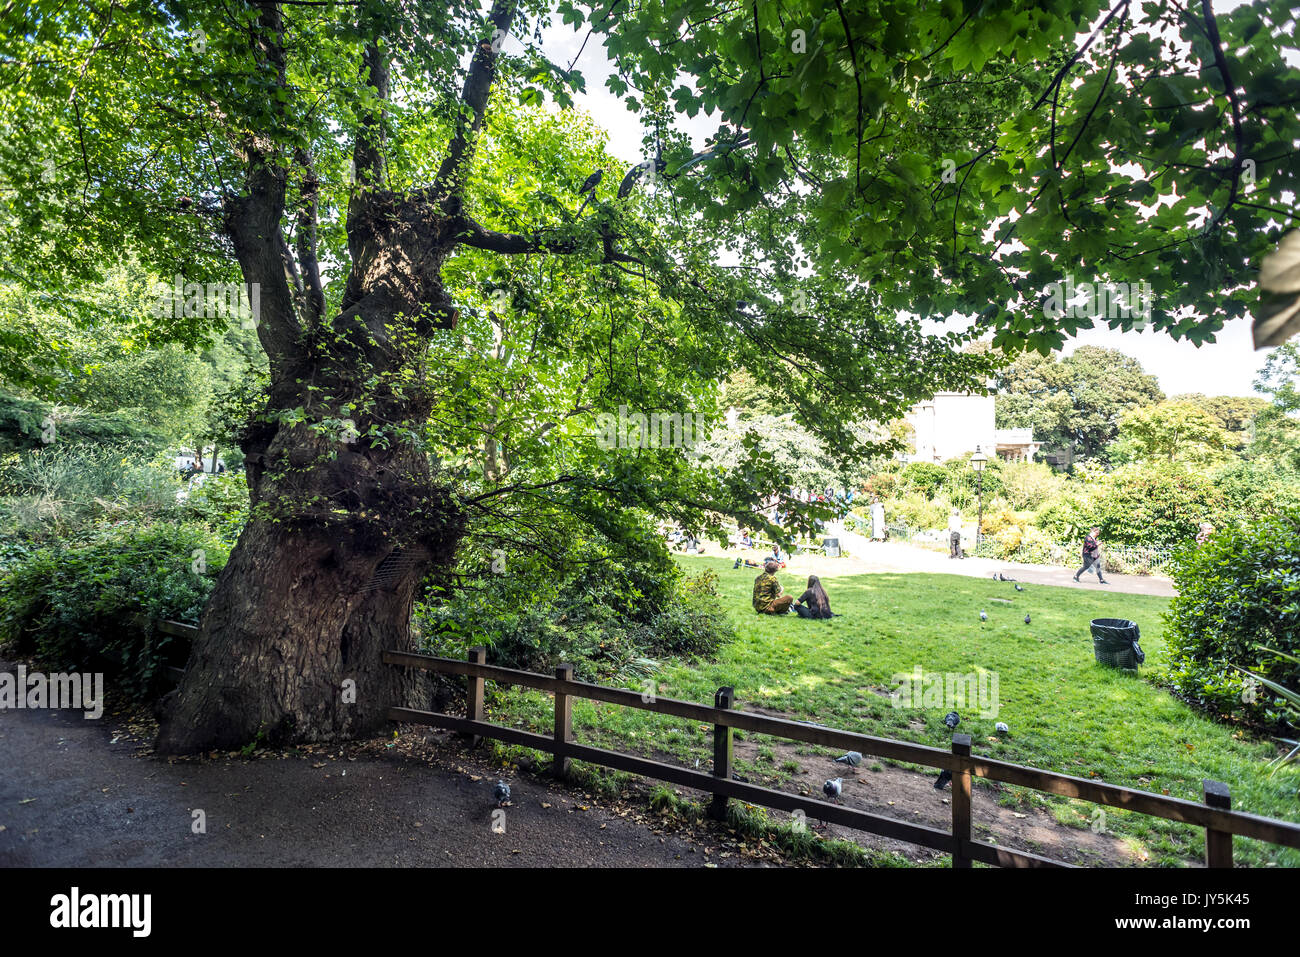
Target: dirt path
{"type": "Point", "coordinates": [75, 792]}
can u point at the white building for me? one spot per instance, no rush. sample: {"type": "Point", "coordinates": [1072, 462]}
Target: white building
{"type": "Point", "coordinates": [953, 424]}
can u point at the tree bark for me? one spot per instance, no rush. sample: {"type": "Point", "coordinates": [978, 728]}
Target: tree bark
{"type": "Point", "coordinates": [291, 642]}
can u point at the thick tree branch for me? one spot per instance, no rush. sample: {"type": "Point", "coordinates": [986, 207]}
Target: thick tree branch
{"type": "Point", "coordinates": [450, 180]}
{"type": "Point", "coordinates": [368, 154]}
{"type": "Point", "coordinates": [313, 299]}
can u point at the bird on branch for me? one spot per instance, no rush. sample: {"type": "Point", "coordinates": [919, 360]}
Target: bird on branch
{"type": "Point", "coordinates": [589, 187]}
{"type": "Point", "coordinates": [653, 167]}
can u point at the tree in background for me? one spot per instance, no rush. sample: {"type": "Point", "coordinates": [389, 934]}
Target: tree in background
{"type": "Point", "coordinates": [1235, 414]}
{"type": "Point", "coordinates": [1277, 428]}
{"type": "Point", "coordinates": [1073, 404]}
{"type": "Point", "coordinates": [1173, 431]}
{"type": "Point", "coordinates": [107, 355]}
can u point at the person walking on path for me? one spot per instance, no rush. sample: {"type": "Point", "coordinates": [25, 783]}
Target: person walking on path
{"type": "Point", "coordinates": [954, 534]}
{"type": "Point", "coordinates": [1091, 555]}
{"type": "Point", "coordinates": [768, 599]}
{"type": "Point", "coordinates": [877, 520]}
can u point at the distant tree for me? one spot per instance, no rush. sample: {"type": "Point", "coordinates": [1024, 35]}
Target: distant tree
{"type": "Point", "coordinates": [1233, 413]}
{"type": "Point", "coordinates": [750, 396]}
{"type": "Point", "coordinates": [1277, 428]}
{"type": "Point", "coordinates": [1074, 404]}
{"type": "Point", "coordinates": [1171, 431]}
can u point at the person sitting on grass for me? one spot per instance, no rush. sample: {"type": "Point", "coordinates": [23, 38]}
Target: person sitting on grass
{"type": "Point", "coordinates": [777, 555]}
{"type": "Point", "coordinates": [813, 603]}
{"type": "Point", "coordinates": [768, 599]}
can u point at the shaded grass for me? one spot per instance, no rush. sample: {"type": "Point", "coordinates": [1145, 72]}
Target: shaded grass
{"type": "Point", "coordinates": [1065, 712]}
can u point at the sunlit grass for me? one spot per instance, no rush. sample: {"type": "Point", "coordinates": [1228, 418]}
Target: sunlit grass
{"type": "Point", "coordinates": [1065, 712]}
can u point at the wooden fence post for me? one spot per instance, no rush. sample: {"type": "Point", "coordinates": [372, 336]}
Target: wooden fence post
{"type": "Point", "coordinates": [725, 698]}
{"type": "Point", "coordinates": [474, 691]}
{"type": "Point", "coordinates": [961, 828]}
{"type": "Point", "coordinates": [563, 724]}
{"type": "Point", "coordinates": [1218, 844]}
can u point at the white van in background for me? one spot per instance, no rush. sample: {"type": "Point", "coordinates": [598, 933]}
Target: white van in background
{"type": "Point", "coordinates": [212, 464]}
{"type": "Point", "coordinates": [186, 463]}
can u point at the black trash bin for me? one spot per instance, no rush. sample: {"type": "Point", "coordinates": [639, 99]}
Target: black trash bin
{"type": "Point", "coordinates": [1115, 643]}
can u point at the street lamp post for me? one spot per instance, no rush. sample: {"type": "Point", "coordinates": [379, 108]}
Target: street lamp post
{"type": "Point", "coordinates": [977, 462]}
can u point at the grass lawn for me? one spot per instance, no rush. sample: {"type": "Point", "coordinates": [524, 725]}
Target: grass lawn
{"type": "Point", "coordinates": [1065, 712]}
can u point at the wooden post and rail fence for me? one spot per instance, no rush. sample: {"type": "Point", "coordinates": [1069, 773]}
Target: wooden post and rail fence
{"type": "Point", "coordinates": [1215, 815]}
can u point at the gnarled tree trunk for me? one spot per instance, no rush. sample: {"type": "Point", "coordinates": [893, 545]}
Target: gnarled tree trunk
{"type": "Point", "coordinates": [290, 645]}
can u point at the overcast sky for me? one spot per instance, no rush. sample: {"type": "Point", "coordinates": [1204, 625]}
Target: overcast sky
{"type": "Point", "coordinates": [1225, 367]}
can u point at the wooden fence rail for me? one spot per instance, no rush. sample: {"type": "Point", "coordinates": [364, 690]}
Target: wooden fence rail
{"type": "Point", "coordinates": [1215, 815]}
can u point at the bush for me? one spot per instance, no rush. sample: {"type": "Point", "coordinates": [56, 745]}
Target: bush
{"type": "Point", "coordinates": [924, 478]}
{"type": "Point", "coordinates": [71, 606]}
{"type": "Point", "coordinates": [219, 502]}
{"type": "Point", "coordinates": [609, 620]}
{"type": "Point", "coordinates": [883, 485]}
{"type": "Point", "coordinates": [1239, 590]}
{"type": "Point", "coordinates": [1254, 488]}
{"type": "Point", "coordinates": [1031, 485]}
{"type": "Point", "coordinates": [24, 426]}
{"type": "Point", "coordinates": [915, 511]}
{"type": "Point", "coordinates": [1157, 505]}
{"type": "Point", "coordinates": [962, 484]}
{"type": "Point", "coordinates": [57, 493]}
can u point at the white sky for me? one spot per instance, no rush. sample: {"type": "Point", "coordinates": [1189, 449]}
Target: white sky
{"type": "Point", "coordinates": [1227, 366]}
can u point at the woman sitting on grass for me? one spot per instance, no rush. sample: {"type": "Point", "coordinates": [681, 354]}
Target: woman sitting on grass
{"type": "Point", "coordinates": [813, 603]}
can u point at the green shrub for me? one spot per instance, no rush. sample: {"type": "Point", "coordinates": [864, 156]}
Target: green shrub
{"type": "Point", "coordinates": [71, 606]}
{"type": "Point", "coordinates": [57, 493]}
{"type": "Point", "coordinates": [925, 478]}
{"type": "Point", "coordinates": [219, 502]}
{"type": "Point", "coordinates": [1239, 590]}
{"type": "Point", "coordinates": [24, 426]}
{"type": "Point", "coordinates": [609, 620]}
{"type": "Point", "coordinates": [914, 510]}
{"type": "Point", "coordinates": [1254, 488]}
{"type": "Point", "coordinates": [1030, 485]}
{"type": "Point", "coordinates": [1158, 505]}
{"type": "Point", "coordinates": [962, 484]}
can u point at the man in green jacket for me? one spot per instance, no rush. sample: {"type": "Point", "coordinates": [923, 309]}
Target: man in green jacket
{"type": "Point", "coordinates": [768, 599]}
